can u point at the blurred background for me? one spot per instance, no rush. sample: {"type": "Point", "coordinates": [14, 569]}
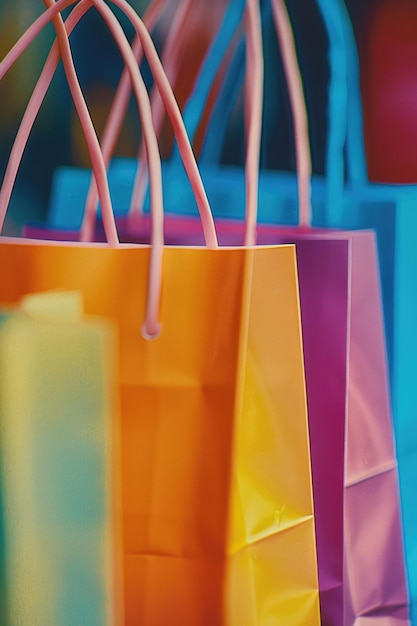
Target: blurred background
{"type": "Point", "coordinates": [385, 32]}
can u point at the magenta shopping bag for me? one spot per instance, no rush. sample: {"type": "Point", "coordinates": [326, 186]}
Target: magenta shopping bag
{"type": "Point", "coordinates": [355, 480]}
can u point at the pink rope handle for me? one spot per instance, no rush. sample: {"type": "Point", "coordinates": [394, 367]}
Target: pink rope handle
{"type": "Point", "coordinates": [32, 110]}
{"type": "Point", "coordinates": [88, 128]}
{"type": "Point", "coordinates": [35, 102]}
{"type": "Point", "coordinates": [171, 53]}
{"type": "Point", "coordinates": [164, 89]}
{"type": "Point", "coordinates": [99, 167]}
{"type": "Point", "coordinates": [253, 115]}
{"type": "Point", "coordinates": [177, 122]}
{"type": "Point", "coordinates": [30, 34]}
{"type": "Point", "coordinates": [298, 109]}
{"type": "Point", "coordinates": [117, 112]}
{"type": "Point", "coordinates": [151, 328]}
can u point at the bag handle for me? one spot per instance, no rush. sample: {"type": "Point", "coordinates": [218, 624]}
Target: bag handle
{"type": "Point", "coordinates": [151, 327]}
{"type": "Point", "coordinates": [171, 62]}
{"type": "Point", "coordinates": [253, 104]}
{"type": "Point", "coordinates": [253, 116]}
{"type": "Point", "coordinates": [194, 108]}
{"type": "Point", "coordinates": [170, 54]}
{"type": "Point", "coordinates": [223, 107]}
{"type": "Point", "coordinates": [344, 104]}
{"type": "Point", "coordinates": [120, 102]}
{"type": "Point", "coordinates": [169, 100]}
{"type": "Point", "coordinates": [118, 108]}
{"type": "Point", "coordinates": [21, 138]}
{"type": "Point", "coordinates": [344, 128]}
{"type": "Point", "coordinates": [299, 114]}
{"type": "Point", "coordinates": [253, 113]}
{"type": "Point", "coordinates": [298, 108]}
{"type": "Point", "coordinates": [226, 98]}
{"type": "Point", "coordinates": [174, 114]}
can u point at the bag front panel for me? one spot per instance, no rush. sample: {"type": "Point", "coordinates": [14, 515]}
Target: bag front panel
{"type": "Point", "coordinates": [179, 396]}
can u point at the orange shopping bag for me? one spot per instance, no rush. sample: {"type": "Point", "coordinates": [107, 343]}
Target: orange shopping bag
{"type": "Point", "coordinates": [218, 524]}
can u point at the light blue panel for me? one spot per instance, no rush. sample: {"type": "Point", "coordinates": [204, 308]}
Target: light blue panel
{"type": "Point", "coordinates": [55, 526]}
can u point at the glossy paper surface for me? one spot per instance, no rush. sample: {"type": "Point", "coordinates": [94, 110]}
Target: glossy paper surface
{"type": "Point", "coordinates": [217, 506]}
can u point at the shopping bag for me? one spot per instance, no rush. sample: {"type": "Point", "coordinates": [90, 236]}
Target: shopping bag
{"type": "Point", "coordinates": [215, 467]}
{"type": "Point", "coordinates": [218, 524]}
{"type": "Point", "coordinates": [58, 486]}
{"type": "Point", "coordinates": [353, 455]}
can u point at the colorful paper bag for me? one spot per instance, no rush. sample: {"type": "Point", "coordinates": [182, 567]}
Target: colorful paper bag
{"type": "Point", "coordinates": [360, 553]}
{"type": "Point", "coordinates": [215, 465]}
